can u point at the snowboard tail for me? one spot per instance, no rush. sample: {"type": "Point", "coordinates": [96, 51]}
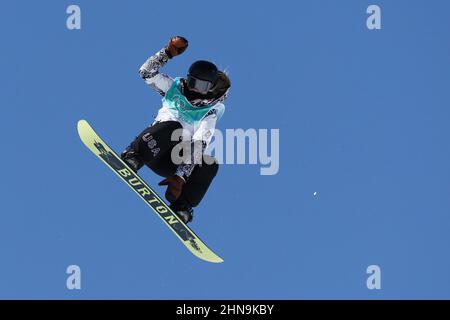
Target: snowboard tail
{"type": "Point", "coordinates": [194, 244]}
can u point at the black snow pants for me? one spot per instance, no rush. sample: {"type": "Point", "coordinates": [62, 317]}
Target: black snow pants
{"type": "Point", "coordinates": [154, 147]}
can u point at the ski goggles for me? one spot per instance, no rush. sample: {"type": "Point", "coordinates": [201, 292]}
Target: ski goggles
{"type": "Point", "coordinates": [198, 85]}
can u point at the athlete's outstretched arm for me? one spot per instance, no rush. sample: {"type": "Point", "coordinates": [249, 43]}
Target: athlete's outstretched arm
{"type": "Point", "coordinates": [149, 71]}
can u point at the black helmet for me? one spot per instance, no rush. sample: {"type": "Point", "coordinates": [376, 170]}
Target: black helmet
{"type": "Point", "coordinates": [202, 77]}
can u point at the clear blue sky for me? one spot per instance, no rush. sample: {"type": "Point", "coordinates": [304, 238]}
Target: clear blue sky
{"type": "Point", "coordinates": [363, 118]}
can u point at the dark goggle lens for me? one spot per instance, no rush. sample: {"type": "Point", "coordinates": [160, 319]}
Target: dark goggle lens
{"type": "Point", "coordinates": [198, 85]}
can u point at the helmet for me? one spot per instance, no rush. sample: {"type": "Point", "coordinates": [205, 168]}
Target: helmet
{"type": "Point", "coordinates": [202, 77]}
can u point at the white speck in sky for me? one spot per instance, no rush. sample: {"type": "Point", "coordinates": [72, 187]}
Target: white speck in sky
{"type": "Point", "coordinates": [315, 193]}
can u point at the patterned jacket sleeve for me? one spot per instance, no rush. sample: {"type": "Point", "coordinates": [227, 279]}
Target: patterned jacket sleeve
{"type": "Point", "coordinates": [200, 141]}
{"type": "Point", "coordinates": [149, 71]}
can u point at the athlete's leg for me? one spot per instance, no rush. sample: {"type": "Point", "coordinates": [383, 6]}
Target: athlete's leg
{"type": "Point", "coordinates": [153, 147]}
{"type": "Point", "coordinates": [198, 182]}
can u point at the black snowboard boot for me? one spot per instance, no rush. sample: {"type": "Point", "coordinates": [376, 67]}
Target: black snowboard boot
{"type": "Point", "coordinates": [184, 212]}
{"type": "Point", "coordinates": [132, 159]}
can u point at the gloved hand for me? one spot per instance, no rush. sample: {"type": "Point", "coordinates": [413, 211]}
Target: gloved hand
{"type": "Point", "coordinates": [176, 46]}
{"type": "Point", "coordinates": [174, 187]}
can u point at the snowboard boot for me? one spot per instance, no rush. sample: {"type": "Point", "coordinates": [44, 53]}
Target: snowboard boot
{"type": "Point", "coordinates": [132, 159]}
{"type": "Point", "coordinates": [183, 212]}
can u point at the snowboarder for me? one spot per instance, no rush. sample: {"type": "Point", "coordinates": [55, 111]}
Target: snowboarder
{"type": "Point", "coordinates": [194, 104]}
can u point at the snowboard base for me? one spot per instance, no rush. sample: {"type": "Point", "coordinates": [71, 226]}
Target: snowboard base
{"type": "Point", "coordinates": [192, 242]}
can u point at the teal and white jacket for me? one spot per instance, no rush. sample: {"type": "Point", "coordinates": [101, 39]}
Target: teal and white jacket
{"type": "Point", "coordinates": [198, 122]}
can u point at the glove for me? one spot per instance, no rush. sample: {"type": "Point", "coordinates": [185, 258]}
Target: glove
{"type": "Point", "coordinates": [176, 46]}
{"type": "Point", "coordinates": [174, 187]}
